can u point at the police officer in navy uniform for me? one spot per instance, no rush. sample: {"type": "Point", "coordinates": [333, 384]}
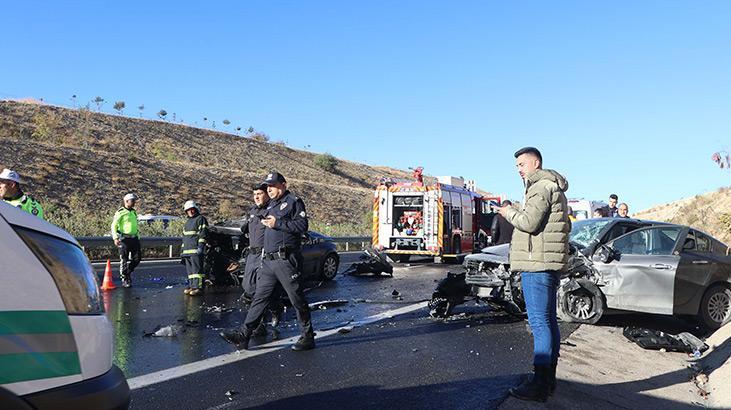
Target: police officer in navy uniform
{"type": "Point", "coordinates": [254, 230]}
{"type": "Point", "coordinates": [286, 223]}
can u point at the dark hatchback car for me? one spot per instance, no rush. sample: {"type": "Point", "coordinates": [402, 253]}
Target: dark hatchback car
{"type": "Point", "coordinates": [226, 255]}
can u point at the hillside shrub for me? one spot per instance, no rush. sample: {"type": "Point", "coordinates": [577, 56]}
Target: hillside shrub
{"type": "Point", "coordinates": [326, 162]}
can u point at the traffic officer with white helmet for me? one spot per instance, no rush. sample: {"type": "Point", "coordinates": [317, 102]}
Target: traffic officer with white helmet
{"type": "Point", "coordinates": [194, 242]}
{"type": "Point", "coordinates": [286, 223]}
{"type": "Point", "coordinates": [126, 236]}
{"type": "Point", "coordinates": [11, 193]}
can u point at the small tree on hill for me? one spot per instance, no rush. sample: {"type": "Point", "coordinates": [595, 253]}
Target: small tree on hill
{"type": "Point", "coordinates": [141, 107]}
{"type": "Point", "coordinates": [162, 114]}
{"type": "Point", "coordinates": [73, 100]}
{"type": "Point", "coordinates": [722, 158]}
{"type": "Point", "coordinates": [326, 162]}
{"type": "Point", "coordinates": [226, 122]}
{"type": "Point", "coordinates": [119, 107]}
{"type": "Point", "coordinates": [99, 101]}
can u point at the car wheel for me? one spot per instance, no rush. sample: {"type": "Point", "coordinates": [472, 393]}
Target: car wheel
{"type": "Point", "coordinates": [329, 267]}
{"type": "Point", "coordinates": [584, 304]}
{"type": "Point", "coordinates": [715, 307]}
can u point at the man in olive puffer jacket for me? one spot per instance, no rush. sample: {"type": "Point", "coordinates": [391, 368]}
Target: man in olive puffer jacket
{"type": "Point", "coordinates": [539, 250]}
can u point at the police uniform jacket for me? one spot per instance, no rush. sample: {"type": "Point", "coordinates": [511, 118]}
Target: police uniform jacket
{"type": "Point", "coordinates": [291, 223]}
{"type": "Point", "coordinates": [124, 224]}
{"type": "Point", "coordinates": [27, 203]}
{"type": "Point", "coordinates": [194, 234]}
{"type": "Point", "coordinates": [255, 227]}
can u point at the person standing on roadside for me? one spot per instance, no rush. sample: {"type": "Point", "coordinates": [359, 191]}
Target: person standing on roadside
{"type": "Point", "coordinates": [623, 210]}
{"type": "Point", "coordinates": [611, 210]}
{"type": "Point", "coordinates": [126, 236]}
{"type": "Point", "coordinates": [540, 252]}
{"type": "Point", "coordinates": [194, 242]}
{"type": "Point", "coordinates": [11, 193]}
{"type": "Point", "coordinates": [501, 230]}
{"type": "Point", "coordinates": [286, 222]}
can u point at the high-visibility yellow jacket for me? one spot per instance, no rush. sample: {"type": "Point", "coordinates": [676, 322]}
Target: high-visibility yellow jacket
{"type": "Point", "coordinates": [124, 224]}
{"type": "Point", "coordinates": [28, 204]}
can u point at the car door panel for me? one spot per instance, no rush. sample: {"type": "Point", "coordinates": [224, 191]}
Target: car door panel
{"type": "Point", "coordinates": [641, 276]}
{"type": "Point", "coordinates": [692, 278]}
{"type": "Point", "coordinates": [642, 283]}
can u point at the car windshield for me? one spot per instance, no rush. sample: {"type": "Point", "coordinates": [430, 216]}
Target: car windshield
{"type": "Point", "coordinates": [587, 230]}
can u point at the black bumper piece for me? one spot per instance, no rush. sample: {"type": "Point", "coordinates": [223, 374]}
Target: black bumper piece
{"type": "Point", "coordinates": [108, 391]}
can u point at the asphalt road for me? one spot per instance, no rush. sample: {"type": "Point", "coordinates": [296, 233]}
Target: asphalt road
{"type": "Point", "coordinates": [406, 360]}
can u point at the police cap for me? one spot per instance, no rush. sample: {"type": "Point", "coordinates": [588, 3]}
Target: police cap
{"type": "Point", "coordinates": [274, 177]}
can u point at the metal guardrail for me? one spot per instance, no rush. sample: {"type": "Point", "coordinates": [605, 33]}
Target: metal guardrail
{"type": "Point", "coordinates": [101, 242]}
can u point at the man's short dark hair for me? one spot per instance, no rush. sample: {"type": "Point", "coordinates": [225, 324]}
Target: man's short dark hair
{"type": "Point", "coordinates": [506, 203]}
{"type": "Point", "coordinates": [529, 150]}
{"type": "Point", "coordinates": [257, 187]}
{"type": "Point", "coordinates": [614, 196]}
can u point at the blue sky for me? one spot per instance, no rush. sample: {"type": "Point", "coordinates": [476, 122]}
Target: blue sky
{"type": "Point", "coordinates": [624, 97]}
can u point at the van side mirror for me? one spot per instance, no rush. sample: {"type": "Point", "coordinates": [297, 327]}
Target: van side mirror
{"type": "Point", "coordinates": [605, 254]}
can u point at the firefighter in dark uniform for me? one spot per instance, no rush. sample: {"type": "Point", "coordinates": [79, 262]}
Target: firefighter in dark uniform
{"type": "Point", "coordinates": [286, 222]}
{"type": "Point", "coordinates": [194, 242]}
{"type": "Point", "coordinates": [126, 236]}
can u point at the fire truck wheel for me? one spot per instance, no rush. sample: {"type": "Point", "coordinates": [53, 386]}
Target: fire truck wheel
{"type": "Point", "coordinates": [404, 258]}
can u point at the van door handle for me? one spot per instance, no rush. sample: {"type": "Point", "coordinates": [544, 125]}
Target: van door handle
{"type": "Point", "coordinates": [660, 266]}
{"type": "Point", "coordinates": [701, 262]}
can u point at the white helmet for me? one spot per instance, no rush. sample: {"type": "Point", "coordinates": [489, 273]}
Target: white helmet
{"type": "Point", "coordinates": [10, 175]}
{"type": "Point", "coordinates": [190, 204]}
{"type": "Point", "coordinates": [130, 197]}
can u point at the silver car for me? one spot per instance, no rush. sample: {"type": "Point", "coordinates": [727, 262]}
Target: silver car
{"type": "Point", "coordinates": [616, 263]}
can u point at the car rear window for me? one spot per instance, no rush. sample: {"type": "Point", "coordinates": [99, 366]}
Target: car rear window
{"type": "Point", "coordinates": [70, 269]}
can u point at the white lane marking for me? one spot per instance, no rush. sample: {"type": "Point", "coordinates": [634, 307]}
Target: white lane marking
{"type": "Point", "coordinates": [210, 363]}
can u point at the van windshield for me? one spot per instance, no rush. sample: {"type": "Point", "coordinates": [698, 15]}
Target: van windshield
{"type": "Point", "coordinates": [585, 231]}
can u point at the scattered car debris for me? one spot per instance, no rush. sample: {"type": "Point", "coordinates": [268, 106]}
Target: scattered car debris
{"type": "Point", "coordinates": [657, 340]}
{"type": "Point", "coordinates": [324, 304]}
{"type": "Point", "coordinates": [217, 309]}
{"type": "Point", "coordinates": [345, 329]}
{"type": "Point", "coordinates": [395, 293]}
{"type": "Point", "coordinates": [231, 393]}
{"type": "Point", "coordinates": [169, 287]}
{"type": "Point", "coordinates": [371, 261]}
{"type": "Point", "coordinates": [167, 331]}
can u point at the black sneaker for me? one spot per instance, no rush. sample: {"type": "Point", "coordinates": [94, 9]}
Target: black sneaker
{"type": "Point", "coordinates": [304, 343]}
{"type": "Point", "coordinates": [236, 337]}
{"type": "Point", "coordinates": [126, 283]}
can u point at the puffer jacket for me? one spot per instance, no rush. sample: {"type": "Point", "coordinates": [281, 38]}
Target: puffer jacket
{"type": "Point", "coordinates": [541, 237]}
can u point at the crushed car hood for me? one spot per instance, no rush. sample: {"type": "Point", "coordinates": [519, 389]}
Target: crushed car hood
{"type": "Point", "coordinates": [494, 254]}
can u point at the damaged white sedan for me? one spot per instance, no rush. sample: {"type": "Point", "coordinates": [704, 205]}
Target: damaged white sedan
{"type": "Point", "coordinates": [623, 264]}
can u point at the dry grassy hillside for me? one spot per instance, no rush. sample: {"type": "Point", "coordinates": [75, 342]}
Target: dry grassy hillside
{"type": "Point", "coordinates": [709, 212]}
{"type": "Point", "coordinates": [95, 158]}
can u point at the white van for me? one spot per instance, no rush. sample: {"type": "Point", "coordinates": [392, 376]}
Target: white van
{"type": "Point", "coordinates": [584, 208]}
{"type": "Point", "coordinates": [55, 340]}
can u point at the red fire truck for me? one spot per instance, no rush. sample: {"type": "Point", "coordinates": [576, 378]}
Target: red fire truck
{"type": "Point", "coordinates": [446, 219]}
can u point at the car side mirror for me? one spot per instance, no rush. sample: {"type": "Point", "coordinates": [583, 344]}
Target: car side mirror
{"type": "Point", "coordinates": [605, 254]}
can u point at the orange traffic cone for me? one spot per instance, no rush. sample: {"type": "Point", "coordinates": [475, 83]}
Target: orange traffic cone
{"type": "Point", "coordinates": [108, 283]}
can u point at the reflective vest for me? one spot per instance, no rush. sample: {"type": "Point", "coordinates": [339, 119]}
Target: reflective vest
{"type": "Point", "coordinates": [124, 224]}
{"type": "Point", "coordinates": [28, 204]}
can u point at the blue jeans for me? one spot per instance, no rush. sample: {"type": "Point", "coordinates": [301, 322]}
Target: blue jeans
{"type": "Point", "coordinates": [539, 291]}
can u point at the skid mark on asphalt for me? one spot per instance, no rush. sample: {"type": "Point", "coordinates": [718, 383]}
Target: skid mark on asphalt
{"type": "Point", "coordinates": [195, 367]}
